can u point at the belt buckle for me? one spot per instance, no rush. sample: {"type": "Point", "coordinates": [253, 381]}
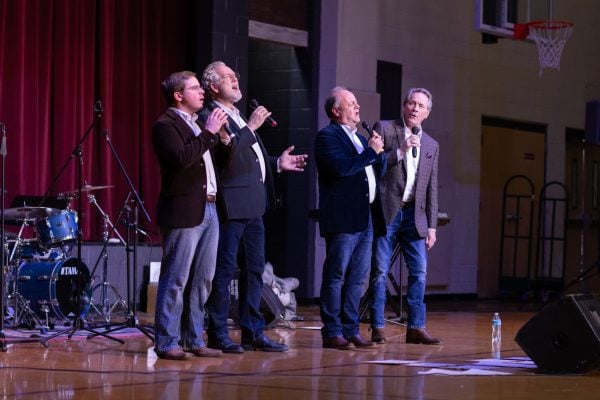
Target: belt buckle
{"type": "Point", "coordinates": [211, 198]}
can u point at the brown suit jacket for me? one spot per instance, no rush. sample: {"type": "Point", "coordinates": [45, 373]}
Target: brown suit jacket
{"type": "Point", "coordinates": [182, 196]}
{"type": "Point", "coordinates": [394, 180]}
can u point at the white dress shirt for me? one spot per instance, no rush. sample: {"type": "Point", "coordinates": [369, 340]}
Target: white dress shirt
{"type": "Point", "coordinates": [211, 179]}
{"type": "Point", "coordinates": [351, 132]}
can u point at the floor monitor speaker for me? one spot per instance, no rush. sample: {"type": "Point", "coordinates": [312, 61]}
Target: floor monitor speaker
{"type": "Point", "coordinates": [564, 337]}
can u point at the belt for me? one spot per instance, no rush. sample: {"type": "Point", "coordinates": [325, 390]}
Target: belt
{"type": "Point", "coordinates": [407, 204]}
{"type": "Point", "coordinates": [211, 198]}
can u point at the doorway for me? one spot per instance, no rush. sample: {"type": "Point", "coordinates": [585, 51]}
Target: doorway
{"type": "Point", "coordinates": [508, 149]}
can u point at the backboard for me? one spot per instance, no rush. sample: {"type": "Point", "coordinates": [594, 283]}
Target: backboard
{"type": "Point", "coordinates": [498, 17]}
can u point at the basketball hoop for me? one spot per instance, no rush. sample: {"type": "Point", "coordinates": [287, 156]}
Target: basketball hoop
{"type": "Point", "coordinates": [550, 38]}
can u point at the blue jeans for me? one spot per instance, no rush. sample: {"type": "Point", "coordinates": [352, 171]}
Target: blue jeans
{"type": "Point", "coordinates": [186, 273]}
{"type": "Point", "coordinates": [344, 273]}
{"type": "Point", "coordinates": [250, 234]}
{"type": "Point", "coordinates": [401, 230]}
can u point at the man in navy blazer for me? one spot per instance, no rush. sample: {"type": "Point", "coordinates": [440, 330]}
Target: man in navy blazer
{"type": "Point", "coordinates": [246, 191]}
{"type": "Point", "coordinates": [409, 191]}
{"type": "Point", "coordinates": [349, 215]}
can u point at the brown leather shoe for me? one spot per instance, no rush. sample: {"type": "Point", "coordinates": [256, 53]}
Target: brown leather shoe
{"type": "Point", "coordinates": [360, 342]}
{"type": "Point", "coordinates": [378, 335]}
{"type": "Point", "coordinates": [173, 354]}
{"type": "Point", "coordinates": [337, 342]}
{"type": "Point", "coordinates": [420, 336]}
{"type": "Point", "coordinates": [205, 352]}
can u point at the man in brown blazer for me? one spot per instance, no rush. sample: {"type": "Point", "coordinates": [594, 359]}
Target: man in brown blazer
{"type": "Point", "coordinates": [410, 205]}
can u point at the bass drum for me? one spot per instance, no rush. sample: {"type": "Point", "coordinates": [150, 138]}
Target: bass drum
{"type": "Point", "coordinates": [57, 286]}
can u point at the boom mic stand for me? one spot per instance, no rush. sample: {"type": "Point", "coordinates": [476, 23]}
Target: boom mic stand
{"type": "Point", "coordinates": [132, 231]}
{"type": "Point", "coordinates": [79, 322]}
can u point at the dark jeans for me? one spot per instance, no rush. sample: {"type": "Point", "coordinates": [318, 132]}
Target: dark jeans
{"type": "Point", "coordinates": [250, 234]}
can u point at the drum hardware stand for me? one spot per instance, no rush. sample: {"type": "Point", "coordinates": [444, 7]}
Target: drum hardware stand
{"type": "Point", "coordinates": [24, 316]}
{"type": "Point", "coordinates": [106, 308]}
{"type": "Point", "coordinates": [132, 232]}
{"type": "Point", "coordinates": [4, 339]}
{"type": "Point", "coordinates": [78, 323]}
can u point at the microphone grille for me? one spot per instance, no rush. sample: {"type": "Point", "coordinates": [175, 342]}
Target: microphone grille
{"type": "Point", "coordinates": [415, 130]}
{"type": "Point", "coordinates": [365, 125]}
{"type": "Point", "coordinates": [253, 103]}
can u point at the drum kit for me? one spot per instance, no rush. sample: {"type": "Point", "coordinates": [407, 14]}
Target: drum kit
{"type": "Point", "coordinates": [45, 286]}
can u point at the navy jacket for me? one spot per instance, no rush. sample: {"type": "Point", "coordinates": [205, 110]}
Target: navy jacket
{"type": "Point", "coordinates": [343, 186]}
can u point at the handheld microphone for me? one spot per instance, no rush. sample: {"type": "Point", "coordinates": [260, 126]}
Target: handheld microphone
{"type": "Point", "coordinates": [254, 105]}
{"type": "Point", "coordinates": [211, 106]}
{"type": "Point", "coordinates": [367, 128]}
{"type": "Point", "coordinates": [415, 131]}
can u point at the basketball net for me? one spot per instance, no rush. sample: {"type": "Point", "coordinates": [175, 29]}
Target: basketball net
{"type": "Point", "coordinates": [550, 38]}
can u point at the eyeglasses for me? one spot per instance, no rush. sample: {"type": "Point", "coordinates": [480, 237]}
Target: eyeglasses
{"type": "Point", "coordinates": [231, 77]}
{"type": "Point", "coordinates": [195, 88]}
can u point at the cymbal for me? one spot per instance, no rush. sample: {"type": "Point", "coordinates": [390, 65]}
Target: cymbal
{"type": "Point", "coordinates": [86, 188]}
{"type": "Point", "coordinates": [28, 213]}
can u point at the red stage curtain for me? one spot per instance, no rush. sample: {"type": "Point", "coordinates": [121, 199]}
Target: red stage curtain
{"type": "Point", "coordinates": [57, 59]}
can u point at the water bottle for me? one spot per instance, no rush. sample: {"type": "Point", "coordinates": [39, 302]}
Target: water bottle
{"type": "Point", "coordinates": [496, 328]}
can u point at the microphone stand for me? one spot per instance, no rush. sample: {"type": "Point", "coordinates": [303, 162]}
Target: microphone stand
{"type": "Point", "coordinates": [3, 338]}
{"type": "Point", "coordinates": [78, 322]}
{"type": "Point", "coordinates": [132, 231]}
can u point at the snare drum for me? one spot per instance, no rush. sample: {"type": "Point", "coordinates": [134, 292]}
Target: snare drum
{"type": "Point", "coordinates": [58, 229]}
{"type": "Point", "coordinates": [59, 285]}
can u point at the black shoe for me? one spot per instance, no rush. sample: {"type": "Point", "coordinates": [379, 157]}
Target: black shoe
{"type": "Point", "coordinates": [263, 343]}
{"type": "Point", "coordinates": [226, 345]}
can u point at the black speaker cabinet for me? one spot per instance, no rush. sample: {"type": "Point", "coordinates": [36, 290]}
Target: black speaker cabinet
{"type": "Point", "coordinates": [564, 338]}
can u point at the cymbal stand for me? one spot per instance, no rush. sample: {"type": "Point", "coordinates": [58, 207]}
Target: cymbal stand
{"type": "Point", "coordinates": [131, 219]}
{"type": "Point", "coordinates": [79, 323]}
{"type": "Point", "coordinates": [106, 308]}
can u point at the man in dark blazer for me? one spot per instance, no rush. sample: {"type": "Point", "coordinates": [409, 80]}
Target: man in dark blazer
{"type": "Point", "coordinates": [409, 191]}
{"type": "Point", "coordinates": [246, 181]}
{"type": "Point", "coordinates": [187, 216]}
{"type": "Point", "coordinates": [349, 215]}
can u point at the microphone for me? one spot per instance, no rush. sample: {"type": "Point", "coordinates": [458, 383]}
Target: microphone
{"type": "Point", "coordinates": [3, 147]}
{"type": "Point", "coordinates": [367, 127]}
{"type": "Point", "coordinates": [98, 107]}
{"type": "Point", "coordinates": [211, 106]}
{"type": "Point", "coordinates": [254, 105]}
{"type": "Point", "coordinates": [415, 131]}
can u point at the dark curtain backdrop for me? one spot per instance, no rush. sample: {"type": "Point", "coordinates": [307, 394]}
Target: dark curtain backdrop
{"type": "Point", "coordinates": [57, 59]}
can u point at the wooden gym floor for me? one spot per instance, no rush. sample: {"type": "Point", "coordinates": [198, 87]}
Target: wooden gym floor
{"type": "Point", "coordinates": [103, 369]}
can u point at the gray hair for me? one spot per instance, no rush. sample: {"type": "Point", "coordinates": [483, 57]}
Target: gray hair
{"type": "Point", "coordinates": [426, 92]}
{"type": "Point", "coordinates": [210, 75]}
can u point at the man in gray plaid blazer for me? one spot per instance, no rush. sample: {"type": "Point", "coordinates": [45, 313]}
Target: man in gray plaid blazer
{"type": "Point", "coordinates": [409, 192]}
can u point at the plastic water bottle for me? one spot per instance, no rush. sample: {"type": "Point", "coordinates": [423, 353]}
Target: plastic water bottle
{"type": "Point", "coordinates": [496, 328]}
